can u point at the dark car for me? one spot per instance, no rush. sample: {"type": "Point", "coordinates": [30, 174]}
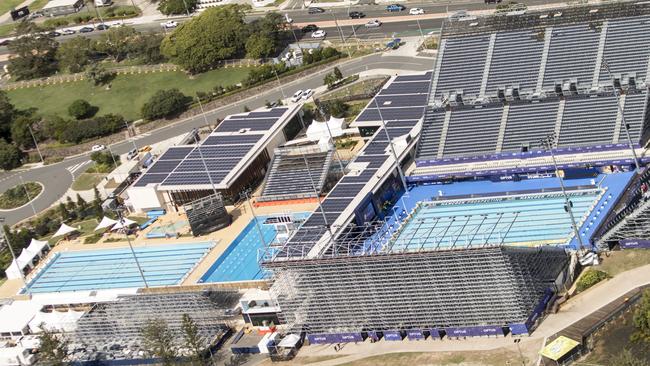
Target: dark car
{"type": "Point", "coordinates": [395, 7]}
{"type": "Point", "coordinates": [309, 28]}
{"type": "Point", "coordinates": [102, 27]}
{"type": "Point", "coordinates": [54, 34]}
{"type": "Point", "coordinates": [315, 10]}
{"type": "Point", "coordinates": [356, 15]}
{"type": "Point", "coordinates": [86, 30]}
{"type": "Point", "coordinates": [4, 42]}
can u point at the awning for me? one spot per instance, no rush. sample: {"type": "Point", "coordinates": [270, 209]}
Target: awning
{"type": "Point", "coordinates": [36, 246]}
{"type": "Point", "coordinates": [124, 223]}
{"type": "Point", "coordinates": [105, 223]}
{"type": "Point", "coordinates": [64, 230]}
{"type": "Point", "coordinates": [558, 348]}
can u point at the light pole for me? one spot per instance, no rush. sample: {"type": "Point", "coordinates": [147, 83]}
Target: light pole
{"type": "Point", "coordinates": [621, 112]}
{"type": "Point", "coordinates": [421, 33]}
{"type": "Point", "coordinates": [36, 143]}
{"type": "Point", "coordinates": [205, 166]}
{"type": "Point", "coordinates": [13, 255]}
{"type": "Point", "coordinates": [549, 143]}
{"type": "Point", "coordinates": [313, 185]}
{"type": "Point", "coordinates": [279, 83]}
{"type": "Point", "coordinates": [245, 194]}
{"type": "Point", "coordinates": [521, 355]}
{"type": "Point", "coordinates": [128, 132]}
{"type": "Point", "coordinates": [205, 118]}
{"type": "Point", "coordinates": [120, 219]}
{"type": "Point", "coordinates": [31, 203]}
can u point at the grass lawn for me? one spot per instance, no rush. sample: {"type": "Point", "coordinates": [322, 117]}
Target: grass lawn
{"type": "Point", "coordinates": [127, 93]}
{"type": "Point", "coordinates": [18, 195]}
{"type": "Point", "coordinates": [624, 260]}
{"type": "Point", "coordinates": [356, 88]}
{"type": "Point", "coordinates": [87, 181]}
{"type": "Point", "coordinates": [354, 109]}
{"type": "Point", "coordinates": [85, 227]}
{"type": "Point", "coordinates": [6, 29]}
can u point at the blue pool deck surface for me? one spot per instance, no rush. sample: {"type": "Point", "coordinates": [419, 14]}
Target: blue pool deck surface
{"type": "Point", "coordinates": [84, 270]}
{"type": "Point", "coordinates": [538, 220]}
{"type": "Point", "coordinates": [239, 262]}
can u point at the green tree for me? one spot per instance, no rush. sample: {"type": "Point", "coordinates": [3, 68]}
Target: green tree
{"type": "Point", "coordinates": [63, 211]}
{"type": "Point", "coordinates": [336, 108]}
{"type": "Point", "coordinates": [641, 319]}
{"type": "Point", "coordinates": [194, 341]}
{"type": "Point", "coordinates": [98, 75]}
{"type": "Point", "coordinates": [589, 278]}
{"type": "Point", "coordinates": [329, 80]}
{"type": "Point", "coordinates": [159, 341]}
{"type": "Point", "coordinates": [74, 54]}
{"type": "Point", "coordinates": [7, 113]}
{"type": "Point", "coordinates": [104, 158]}
{"type": "Point", "coordinates": [35, 54]}
{"type": "Point", "coordinates": [627, 358]}
{"type": "Point", "coordinates": [81, 109]}
{"type": "Point", "coordinates": [259, 46]}
{"type": "Point", "coordinates": [54, 126]}
{"type": "Point", "coordinates": [199, 45]}
{"type": "Point", "coordinates": [82, 206]}
{"type": "Point", "coordinates": [10, 156]}
{"type": "Point", "coordinates": [53, 349]}
{"type": "Point", "coordinates": [337, 73]}
{"type": "Point", "coordinates": [164, 104]}
{"type": "Point", "coordinates": [146, 48]}
{"type": "Point", "coordinates": [117, 42]}
{"type": "Point", "coordinates": [272, 25]}
{"type": "Point", "coordinates": [171, 7]}
{"type": "Point", "coordinates": [20, 134]}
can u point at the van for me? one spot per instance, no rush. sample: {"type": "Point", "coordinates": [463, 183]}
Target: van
{"type": "Point", "coordinates": [132, 154]}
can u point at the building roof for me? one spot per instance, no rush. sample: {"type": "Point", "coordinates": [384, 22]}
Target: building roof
{"type": "Point", "coordinates": [558, 348]}
{"type": "Point", "coordinates": [17, 315]}
{"type": "Point", "coordinates": [59, 3]}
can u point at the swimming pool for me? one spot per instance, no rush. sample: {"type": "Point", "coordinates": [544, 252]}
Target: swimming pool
{"type": "Point", "coordinates": [84, 270]}
{"type": "Point", "coordinates": [239, 261]}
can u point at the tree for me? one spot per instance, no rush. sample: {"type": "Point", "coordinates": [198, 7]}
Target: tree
{"type": "Point", "coordinates": [7, 113]}
{"type": "Point", "coordinates": [641, 319]}
{"type": "Point", "coordinates": [159, 341]}
{"type": "Point", "coordinates": [53, 349]}
{"type": "Point", "coordinates": [164, 104]}
{"type": "Point", "coordinates": [98, 75]}
{"type": "Point", "coordinates": [336, 108]}
{"type": "Point", "coordinates": [104, 157]}
{"type": "Point", "coordinates": [194, 341]}
{"type": "Point", "coordinates": [272, 25]}
{"type": "Point", "coordinates": [63, 212]}
{"type": "Point", "coordinates": [170, 7]}
{"type": "Point", "coordinates": [259, 46]}
{"type": "Point", "coordinates": [117, 42]}
{"type": "Point", "coordinates": [329, 80]}
{"type": "Point", "coordinates": [82, 206]}
{"type": "Point", "coordinates": [73, 55]}
{"type": "Point", "coordinates": [35, 54]}
{"type": "Point", "coordinates": [81, 109]}
{"type": "Point", "coordinates": [589, 278]}
{"type": "Point", "coordinates": [217, 34]}
{"type": "Point", "coordinates": [146, 48]}
{"type": "Point", "coordinates": [627, 358]}
{"type": "Point", "coordinates": [337, 73]}
{"type": "Point", "coordinates": [20, 134]}
{"type": "Point", "coordinates": [10, 156]}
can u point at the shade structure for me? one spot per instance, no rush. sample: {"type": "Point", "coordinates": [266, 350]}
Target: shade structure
{"type": "Point", "coordinates": [17, 266]}
{"type": "Point", "coordinates": [64, 230]}
{"type": "Point", "coordinates": [36, 247]}
{"type": "Point", "coordinates": [319, 130]}
{"type": "Point", "coordinates": [125, 223]}
{"type": "Point", "coordinates": [105, 223]}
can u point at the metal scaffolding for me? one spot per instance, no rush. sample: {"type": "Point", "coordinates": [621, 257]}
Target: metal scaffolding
{"type": "Point", "coordinates": [207, 214]}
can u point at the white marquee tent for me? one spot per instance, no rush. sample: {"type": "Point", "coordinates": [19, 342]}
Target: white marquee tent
{"type": "Point", "coordinates": [26, 258]}
{"type": "Point", "coordinates": [318, 130]}
{"type": "Point", "coordinates": [125, 223]}
{"type": "Point", "coordinates": [105, 223]}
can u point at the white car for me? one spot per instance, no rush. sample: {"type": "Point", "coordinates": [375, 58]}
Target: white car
{"type": "Point", "coordinates": [307, 94]}
{"type": "Point", "coordinates": [319, 34]}
{"type": "Point", "coordinates": [373, 24]}
{"type": "Point", "coordinates": [296, 96]}
{"type": "Point", "coordinates": [68, 32]}
{"type": "Point", "coordinates": [416, 11]}
{"type": "Point", "coordinates": [96, 148]}
{"type": "Point", "coordinates": [170, 24]}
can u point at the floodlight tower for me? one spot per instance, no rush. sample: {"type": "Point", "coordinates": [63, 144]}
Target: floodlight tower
{"type": "Point", "coordinates": [119, 211]}
{"type": "Point", "coordinates": [11, 250]}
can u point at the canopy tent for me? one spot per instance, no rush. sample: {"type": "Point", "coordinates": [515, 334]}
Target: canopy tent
{"type": "Point", "coordinates": [124, 223]}
{"type": "Point", "coordinates": [105, 223]}
{"type": "Point", "coordinates": [64, 230]}
{"type": "Point", "coordinates": [559, 348]}
{"type": "Point", "coordinates": [36, 247]}
{"type": "Point", "coordinates": [17, 267]}
{"type": "Point", "coordinates": [319, 130]}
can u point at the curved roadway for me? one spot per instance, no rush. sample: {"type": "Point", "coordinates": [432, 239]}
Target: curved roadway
{"type": "Point", "coordinates": [57, 178]}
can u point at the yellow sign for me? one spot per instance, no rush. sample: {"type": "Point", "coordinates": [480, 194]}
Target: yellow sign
{"type": "Point", "coordinates": [558, 348]}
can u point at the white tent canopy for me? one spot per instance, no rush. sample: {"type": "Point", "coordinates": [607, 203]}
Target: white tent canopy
{"type": "Point", "coordinates": [64, 230]}
{"type": "Point", "coordinates": [319, 130]}
{"type": "Point", "coordinates": [36, 246]}
{"type": "Point", "coordinates": [55, 321]}
{"type": "Point", "coordinates": [124, 223]}
{"type": "Point", "coordinates": [105, 223]}
{"type": "Point", "coordinates": [17, 266]}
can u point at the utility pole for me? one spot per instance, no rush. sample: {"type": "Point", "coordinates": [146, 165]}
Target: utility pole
{"type": "Point", "coordinates": [279, 83]}
{"type": "Point", "coordinates": [120, 218]}
{"type": "Point", "coordinates": [205, 118]}
{"type": "Point", "coordinates": [245, 194]}
{"type": "Point", "coordinates": [36, 143]}
{"type": "Point", "coordinates": [31, 203]}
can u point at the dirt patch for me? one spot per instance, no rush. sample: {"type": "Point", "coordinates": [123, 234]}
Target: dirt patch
{"type": "Point", "coordinates": [613, 338]}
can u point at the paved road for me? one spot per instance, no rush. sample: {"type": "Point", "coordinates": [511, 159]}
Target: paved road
{"type": "Point", "coordinates": [57, 178]}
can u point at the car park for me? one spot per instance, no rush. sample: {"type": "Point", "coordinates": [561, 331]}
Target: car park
{"type": "Point", "coordinates": [86, 30]}
{"type": "Point", "coordinates": [309, 28]}
{"type": "Point", "coordinates": [308, 93]}
{"type": "Point", "coordinates": [97, 148]}
{"type": "Point", "coordinates": [170, 24]}
{"type": "Point", "coordinates": [395, 7]}
{"type": "Point", "coordinates": [296, 96]}
{"type": "Point", "coordinates": [373, 24]}
{"type": "Point", "coordinates": [68, 32]}
{"type": "Point", "coordinates": [356, 15]}
{"type": "Point", "coordinates": [319, 34]}
{"type": "Point", "coordinates": [315, 10]}
{"type": "Point", "coordinates": [416, 11]}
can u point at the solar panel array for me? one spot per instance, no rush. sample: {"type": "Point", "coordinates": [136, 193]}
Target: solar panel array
{"type": "Point", "coordinates": [523, 57]}
{"type": "Point", "coordinates": [403, 99]}
{"type": "Point", "coordinates": [218, 154]}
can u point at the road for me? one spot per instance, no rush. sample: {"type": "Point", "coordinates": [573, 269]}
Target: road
{"type": "Point", "coordinates": [57, 178]}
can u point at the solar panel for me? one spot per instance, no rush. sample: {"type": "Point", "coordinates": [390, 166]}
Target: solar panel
{"type": "Point", "coordinates": [346, 190]}
{"type": "Point", "coordinates": [176, 153]}
{"type": "Point", "coordinates": [396, 132]}
{"type": "Point", "coordinates": [275, 112]}
{"type": "Point", "coordinates": [425, 77]}
{"type": "Point", "coordinates": [163, 166]}
{"type": "Point", "coordinates": [220, 152]}
{"type": "Point", "coordinates": [394, 101]}
{"type": "Point", "coordinates": [361, 178]}
{"type": "Point", "coordinates": [234, 125]}
{"type": "Point", "coordinates": [232, 139]}
{"type": "Point", "coordinates": [402, 123]}
{"type": "Point", "coordinates": [149, 178]}
{"type": "Point", "coordinates": [370, 158]}
{"type": "Point", "coordinates": [196, 165]}
{"type": "Point", "coordinates": [379, 147]}
{"type": "Point", "coordinates": [195, 178]}
{"type": "Point", "coordinates": [407, 88]}
{"type": "Point", "coordinates": [391, 114]}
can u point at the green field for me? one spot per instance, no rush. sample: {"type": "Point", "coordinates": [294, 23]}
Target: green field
{"type": "Point", "coordinates": [87, 181]}
{"type": "Point", "coordinates": [127, 93]}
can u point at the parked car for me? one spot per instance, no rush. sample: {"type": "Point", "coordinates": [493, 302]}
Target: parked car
{"type": "Point", "coordinates": [309, 28]}
{"type": "Point", "coordinates": [145, 148]}
{"type": "Point", "coordinates": [86, 30]}
{"type": "Point", "coordinates": [96, 148]}
{"type": "Point", "coordinates": [319, 34]}
{"type": "Point", "coordinates": [54, 34]}
{"type": "Point", "coordinates": [315, 10]}
{"type": "Point", "coordinates": [395, 7]}
{"type": "Point", "coordinates": [296, 96]}
{"type": "Point", "coordinates": [308, 93]}
{"type": "Point", "coordinates": [356, 15]}
{"type": "Point", "coordinates": [170, 24]}
{"type": "Point", "coordinates": [68, 32]}
{"type": "Point", "coordinates": [373, 24]}
{"type": "Point", "coordinates": [416, 11]}
{"type": "Point", "coordinates": [103, 27]}
{"type": "Point", "coordinates": [132, 154]}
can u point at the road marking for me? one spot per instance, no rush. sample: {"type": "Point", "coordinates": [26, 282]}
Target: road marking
{"type": "Point", "coordinates": [72, 169]}
{"type": "Point", "coordinates": [143, 135]}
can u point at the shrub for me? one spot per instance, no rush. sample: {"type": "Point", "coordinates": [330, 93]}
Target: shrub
{"type": "Point", "coordinates": [590, 278]}
{"type": "Point", "coordinates": [56, 23]}
{"type": "Point", "coordinates": [164, 104]}
{"type": "Point", "coordinates": [78, 19]}
{"type": "Point", "coordinates": [81, 109]}
{"type": "Point", "coordinates": [10, 156]}
{"type": "Point", "coordinates": [77, 131]}
{"type": "Point", "coordinates": [103, 157]}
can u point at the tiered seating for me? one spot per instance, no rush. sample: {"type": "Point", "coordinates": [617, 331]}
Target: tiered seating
{"type": "Point", "coordinates": [588, 121]}
{"type": "Point", "coordinates": [572, 54]}
{"type": "Point", "coordinates": [634, 104]}
{"type": "Point", "coordinates": [430, 135]}
{"type": "Point", "coordinates": [528, 123]}
{"type": "Point", "coordinates": [627, 47]}
{"type": "Point", "coordinates": [289, 176]}
{"type": "Point", "coordinates": [516, 60]}
{"type": "Point", "coordinates": [462, 66]}
{"type": "Point", "coordinates": [473, 131]}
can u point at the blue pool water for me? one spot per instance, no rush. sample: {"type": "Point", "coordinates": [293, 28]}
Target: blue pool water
{"type": "Point", "coordinates": [239, 262]}
{"type": "Point", "coordinates": [85, 270]}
